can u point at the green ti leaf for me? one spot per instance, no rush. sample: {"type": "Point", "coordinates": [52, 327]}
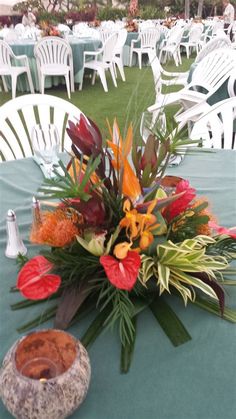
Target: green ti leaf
{"type": "Point", "coordinates": [127, 350]}
{"type": "Point", "coordinates": [169, 322]}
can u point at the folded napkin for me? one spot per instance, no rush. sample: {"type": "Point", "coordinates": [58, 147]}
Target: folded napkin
{"type": "Point", "coordinates": [44, 170]}
{"type": "Point", "coordinates": [176, 159]}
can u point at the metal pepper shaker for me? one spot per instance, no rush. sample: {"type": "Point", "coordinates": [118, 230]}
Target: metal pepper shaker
{"type": "Point", "coordinates": [36, 214]}
{"type": "Point", "coordinates": [15, 244]}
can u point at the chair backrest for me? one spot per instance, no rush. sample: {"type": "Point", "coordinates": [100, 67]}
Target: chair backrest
{"type": "Point", "coordinates": [122, 36]}
{"type": "Point", "coordinates": [52, 50]}
{"type": "Point", "coordinates": [105, 33]}
{"type": "Point", "coordinates": [175, 35]}
{"type": "Point", "coordinates": [214, 69]}
{"type": "Point", "coordinates": [109, 47]}
{"type": "Point", "coordinates": [217, 126]}
{"type": "Point", "coordinates": [149, 37]}
{"type": "Point", "coordinates": [195, 33]}
{"type": "Point", "coordinates": [156, 71]}
{"type": "Point", "coordinates": [217, 25]}
{"type": "Point", "coordinates": [5, 54]}
{"type": "Point", "coordinates": [80, 27]}
{"type": "Point", "coordinates": [108, 24]}
{"type": "Point", "coordinates": [212, 45]}
{"type": "Point", "coordinates": [63, 28]}
{"type": "Point", "coordinates": [19, 116]}
{"type": "Point", "coordinates": [20, 28]}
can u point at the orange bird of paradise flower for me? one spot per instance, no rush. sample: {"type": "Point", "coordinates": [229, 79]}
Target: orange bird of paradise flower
{"type": "Point", "coordinates": [130, 185]}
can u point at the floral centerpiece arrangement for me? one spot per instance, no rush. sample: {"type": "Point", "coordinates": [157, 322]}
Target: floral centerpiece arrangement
{"type": "Point", "coordinates": [47, 29]}
{"type": "Point", "coordinates": [131, 25]}
{"type": "Point", "coordinates": [121, 236]}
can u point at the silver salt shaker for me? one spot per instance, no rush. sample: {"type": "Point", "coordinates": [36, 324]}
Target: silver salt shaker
{"type": "Point", "coordinates": [15, 244]}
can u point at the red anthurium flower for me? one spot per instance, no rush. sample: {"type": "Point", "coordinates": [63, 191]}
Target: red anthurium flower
{"type": "Point", "coordinates": [222, 230]}
{"type": "Point", "coordinates": [34, 280]}
{"type": "Point", "coordinates": [122, 274]}
{"type": "Point", "coordinates": [85, 135]}
{"type": "Point", "coordinates": [181, 204]}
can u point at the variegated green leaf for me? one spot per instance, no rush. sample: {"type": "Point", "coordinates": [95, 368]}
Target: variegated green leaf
{"type": "Point", "coordinates": [163, 278]}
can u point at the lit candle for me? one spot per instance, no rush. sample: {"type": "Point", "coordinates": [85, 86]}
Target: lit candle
{"type": "Point", "coordinates": [46, 359]}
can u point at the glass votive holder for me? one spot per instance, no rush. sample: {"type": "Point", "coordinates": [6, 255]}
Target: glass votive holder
{"type": "Point", "coordinates": [45, 374]}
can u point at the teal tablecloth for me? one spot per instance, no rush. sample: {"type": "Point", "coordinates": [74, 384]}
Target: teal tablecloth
{"type": "Point", "coordinates": [78, 47]}
{"type": "Point", "coordinates": [194, 381]}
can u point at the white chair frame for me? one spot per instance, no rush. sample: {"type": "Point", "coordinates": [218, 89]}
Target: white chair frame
{"type": "Point", "coordinates": [7, 67]}
{"type": "Point", "coordinates": [19, 116]}
{"type": "Point", "coordinates": [54, 58]}
{"type": "Point", "coordinates": [101, 60]}
{"type": "Point", "coordinates": [148, 39]}
{"type": "Point", "coordinates": [216, 126]}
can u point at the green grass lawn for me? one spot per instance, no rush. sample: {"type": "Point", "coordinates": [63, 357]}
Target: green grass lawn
{"type": "Point", "coordinates": [126, 102]}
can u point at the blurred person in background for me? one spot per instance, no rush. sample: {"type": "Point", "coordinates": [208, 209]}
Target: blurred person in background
{"type": "Point", "coordinates": [228, 16]}
{"type": "Point", "coordinates": [29, 19]}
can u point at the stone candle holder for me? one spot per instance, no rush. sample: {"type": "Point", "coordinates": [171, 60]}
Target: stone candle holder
{"type": "Point", "coordinates": [45, 374]}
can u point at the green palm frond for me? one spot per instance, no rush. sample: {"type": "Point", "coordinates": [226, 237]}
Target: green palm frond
{"type": "Point", "coordinates": [66, 186]}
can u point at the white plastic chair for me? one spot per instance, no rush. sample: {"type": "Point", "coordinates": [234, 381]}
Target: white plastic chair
{"type": "Point", "coordinates": [101, 60]}
{"type": "Point", "coordinates": [212, 45]}
{"type": "Point", "coordinates": [105, 33]}
{"type": "Point", "coordinates": [54, 58]}
{"type": "Point", "coordinates": [148, 39]}
{"type": "Point", "coordinates": [193, 39]}
{"type": "Point", "coordinates": [20, 29]}
{"type": "Point", "coordinates": [217, 125]}
{"type": "Point", "coordinates": [158, 71]}
{"type": "Point", "coordinates": [118, 51]}
{"type": "Point", "coordinates": [19, 116]}
{"type": "Point", "coordinates": [210, 73]}
{"type": "Point", "coordinates": [7, 68]}
{"type": "Point", "coordinates": [172, 45]}
{"type": "Point", "coordinates": [63, 28]}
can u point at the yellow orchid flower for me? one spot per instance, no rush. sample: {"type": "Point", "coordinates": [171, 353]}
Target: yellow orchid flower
{"type": "Point", "coordinates": [121, 250]}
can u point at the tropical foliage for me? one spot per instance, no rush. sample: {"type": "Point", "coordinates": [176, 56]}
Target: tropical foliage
{"type": "Point", "coordinates": [123, 235]}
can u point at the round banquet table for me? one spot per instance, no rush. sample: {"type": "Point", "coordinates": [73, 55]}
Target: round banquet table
{"type": "Point", "coordinates": [195, 380]}
{"type": "Point", "coordinates": [78, 46]}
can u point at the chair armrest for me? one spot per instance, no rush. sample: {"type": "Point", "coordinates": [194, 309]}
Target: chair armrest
{"type": "Point", "coordinates": [92, 53]}
{"type": "Point", "coordinates": [134, 41]}
{"type": "Point", "coordinates": [21, 58]}
{"type": "Point", "coordinates": [175, 74]}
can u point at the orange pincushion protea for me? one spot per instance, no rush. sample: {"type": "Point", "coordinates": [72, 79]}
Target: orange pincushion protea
{"type": "Point", "coordinates": [57, 229]}
{"type": "Point", "coordinates": [204, 228]}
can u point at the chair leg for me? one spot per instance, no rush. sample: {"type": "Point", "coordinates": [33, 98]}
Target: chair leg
{"type": "Point", "coordinates": [42, 81]}
{"type": "Point", "coordinates": [179, 56]}
{"type": "Point", "coordinates": [130, 57]}
{"type": "Point", "coordinates": [30, 81]}
{"type": "Point", "coordinates": [175, 56]}
{"type": "Point", "coordinates": [113, 75]}
{"type": "Point", "coordinates": [72, 81]}
{"type": "Point", "coordinates": [67, 84]}
{"type": "Point", "coordinates": [187, 51]}
{"type": "Point", "coordinates": [140, 60]}
{"type": "Point", "coordinates": [121, 68]}
{"type": "Point", "coordinates": [4, 84]}
{"type": "Point", "coordinates": [13, 85]}
{"type": "Point", "coordinates": [102, 76]}
{"type": "Point", "coordinates": [114, 68]}
{"type": "Point", "coordinates": [94, 77]}
{"type": "Point", "coordinates": [81, 83]}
